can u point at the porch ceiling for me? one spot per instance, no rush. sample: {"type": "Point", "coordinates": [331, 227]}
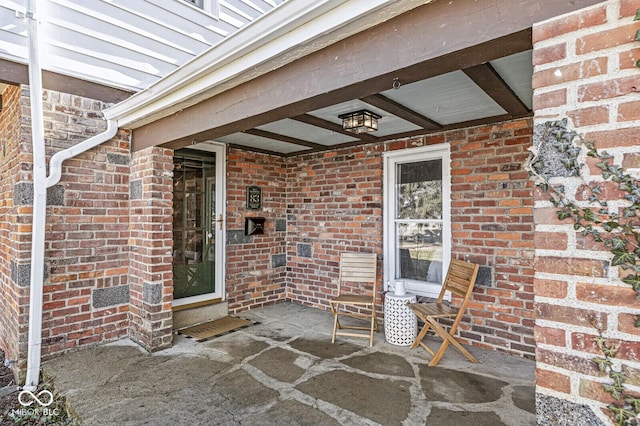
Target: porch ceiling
{"type": "Point", "coordinates": [493, 91]}
{"type": "Point", "coordinates": [436, 67]}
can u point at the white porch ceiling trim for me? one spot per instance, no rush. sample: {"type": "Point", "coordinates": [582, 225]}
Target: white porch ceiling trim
{"type": "Point", "coordinates": [294, 29]}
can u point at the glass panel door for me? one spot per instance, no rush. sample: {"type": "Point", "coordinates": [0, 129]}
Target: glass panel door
{"type": "Point", "coordinates": [417, 231]}
{"type": "Point", "coordinates": [196, 227]}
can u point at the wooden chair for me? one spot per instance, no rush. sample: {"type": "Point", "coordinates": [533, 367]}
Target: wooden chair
{"type": "Point", "coordinates": [460, 280]}
{"type": "Point", "coordinates": [355, 268]}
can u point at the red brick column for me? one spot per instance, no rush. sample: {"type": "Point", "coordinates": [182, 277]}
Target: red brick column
{"type": "Point", "coordinates": [151, 277]}
{"type": "Point", "coordinates": [584, 71]}
{"type": "Point", "coordinates": [15, 231]}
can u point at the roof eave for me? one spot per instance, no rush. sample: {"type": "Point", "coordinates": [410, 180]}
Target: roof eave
{"type": "Point", "coordinates": [305, 26]}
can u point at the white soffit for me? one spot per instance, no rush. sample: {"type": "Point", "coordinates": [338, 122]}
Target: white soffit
{"type": "Point", "coordinates": [294, 29]}
{"type": "Point", "coordinates": [258, 142]}
{"type": "Point", "coordinates": [516, 71]}
{"type": "Point", "coordinates": [447, 99]}
{"type": "Point", "coordinates": [306, 132]}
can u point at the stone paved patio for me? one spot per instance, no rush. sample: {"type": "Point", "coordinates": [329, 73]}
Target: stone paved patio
{"type": "Point", "coordinates": [285, 371]}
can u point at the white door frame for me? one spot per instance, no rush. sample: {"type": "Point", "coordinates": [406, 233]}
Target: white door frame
{"type": "Point", "coordinates": [391, 160]}
{"type": "Point", "coordinates": [220, 151]}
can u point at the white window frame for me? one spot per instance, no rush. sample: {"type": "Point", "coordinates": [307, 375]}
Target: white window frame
{"type": "Point", "coordinates": [391, 161]}
{"type": "Point", "coordinates": [212, 7]}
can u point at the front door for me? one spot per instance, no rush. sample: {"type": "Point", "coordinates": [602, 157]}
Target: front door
{"type": "Point", "coordinates": [198, 214]}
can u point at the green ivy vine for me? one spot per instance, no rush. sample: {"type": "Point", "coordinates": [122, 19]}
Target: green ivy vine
{"type": "Point", "coordinates": [613, 223]}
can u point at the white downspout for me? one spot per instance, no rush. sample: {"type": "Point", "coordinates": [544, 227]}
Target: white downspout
{"type": "Point", "coordinates": [55, 164]}
{"type": "Point", "coordinates": [40, 184]}
{"type": "Point", "coordinates": [39, 201]}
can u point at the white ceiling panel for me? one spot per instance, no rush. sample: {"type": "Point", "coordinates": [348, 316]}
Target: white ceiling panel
{"type": "Point", "coordinates": [447, 99]}
{"type": "Point", "coordinates": [516, 70]}
{"type": "Point", "coordinates": [306, 132]}
{"type": "Point", "coordinates": [259, 142]}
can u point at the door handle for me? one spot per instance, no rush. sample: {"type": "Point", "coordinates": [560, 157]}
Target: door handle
{"type": "Point", "coordinates": [220, 221]}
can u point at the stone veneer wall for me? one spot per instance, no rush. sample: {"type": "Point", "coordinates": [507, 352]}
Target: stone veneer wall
{"type": "Point", "coordinates": [584, 71]}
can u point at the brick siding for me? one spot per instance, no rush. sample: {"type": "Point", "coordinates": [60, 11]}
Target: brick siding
{"type": "Point", "coordinates": [584, 71]}
{"type": "Point", "coordinates": [335, 203]}
{"type": "Point", "coordinates": [151, 243]}
{"type": "Point", "coordinates": [87, 234]}
{"type": "Point", "coordinates": [15, 241]}
{"type": "Point", "coordinates": [256, 264]}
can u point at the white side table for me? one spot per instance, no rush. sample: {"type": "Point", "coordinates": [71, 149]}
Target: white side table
{"type": "Point", "coordinates": [400, 323]}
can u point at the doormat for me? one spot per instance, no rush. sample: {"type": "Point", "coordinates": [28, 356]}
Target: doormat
{"type": "Point", "coordinates": [211, 329]}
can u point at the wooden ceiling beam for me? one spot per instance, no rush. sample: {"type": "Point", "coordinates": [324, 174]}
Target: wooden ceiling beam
{"type": "Point", "coordinates": [283, 138]}
{"type": "Point", "coordinates": [488, 79]}
{"type": "Point", "coordinates": [254, 149]}
{"type": "Point", "coordinates": [16, 74]}
{"type": "Point", "coordinates": [329, 125]}
{"type": "Point", "coordinates": [399, 110]}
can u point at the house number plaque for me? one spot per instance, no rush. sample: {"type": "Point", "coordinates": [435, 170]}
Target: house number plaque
{"type": "Point", "coordinates": [254, 197]}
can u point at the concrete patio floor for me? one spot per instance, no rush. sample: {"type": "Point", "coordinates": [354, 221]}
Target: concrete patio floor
{"type": "Point", "coordinates": [285, 371]}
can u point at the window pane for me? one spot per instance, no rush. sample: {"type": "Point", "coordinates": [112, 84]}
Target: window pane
{"type": "Point", "coordinates": [419, 190]}
{"type": "Point", "coordinates": [419, 251]}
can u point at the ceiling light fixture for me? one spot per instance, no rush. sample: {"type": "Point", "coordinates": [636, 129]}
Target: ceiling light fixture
{"type": "Point", "coordinates": [360, 121]}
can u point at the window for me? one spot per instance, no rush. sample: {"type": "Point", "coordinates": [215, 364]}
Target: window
{"type": "Point", "coordinates": [417, 231]}
{"type": "Point", "coordinates": [210, 6]}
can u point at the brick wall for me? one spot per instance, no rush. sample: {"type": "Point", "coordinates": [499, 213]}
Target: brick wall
{"type": "Point", "coordinates": [87, 235]}
{"type": "Point", "coordinates": [584, 71]}
{"type": "Point", "coordinates": [256, 264]}
{"type": "Point", "coordinates": [150, 291]}
{"type": "Point", "coordinates": [14, 229]}
{"type": "Point", "coordinates": [86, 245]}
{"type": "Point", "coordinates": [335, 202]}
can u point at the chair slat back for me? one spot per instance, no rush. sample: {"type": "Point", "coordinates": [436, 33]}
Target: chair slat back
{"type": "Point", "coordinates": [358, 268]}
{"type": "Point", "coordinates": [460, 279]}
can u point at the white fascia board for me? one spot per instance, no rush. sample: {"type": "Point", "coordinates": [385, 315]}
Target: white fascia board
{"type": "Point", "coordinates": [236, 59]}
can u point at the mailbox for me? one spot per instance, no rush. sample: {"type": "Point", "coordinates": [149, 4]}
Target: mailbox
{"type": "Point", "coordinates": [253, 225]}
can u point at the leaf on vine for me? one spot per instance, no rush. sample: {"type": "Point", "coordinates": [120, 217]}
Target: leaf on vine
{"type": "Point", "coordinates": [610, 225]}
{"type": "Point", "coordinates": [633, 280]}
{"type": "Point", "coordinates": [634, 402]}
{"type": "Point", "coordinates": [618, 244]}
{"type": "Point", "coordinates": [590, 216]}
{"type": "Point", "coordinates": [602, 363]}
{"type": "Point", "coordinates": [622, 257]}
{"type": "Point", "coordinates": [615, 393]}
